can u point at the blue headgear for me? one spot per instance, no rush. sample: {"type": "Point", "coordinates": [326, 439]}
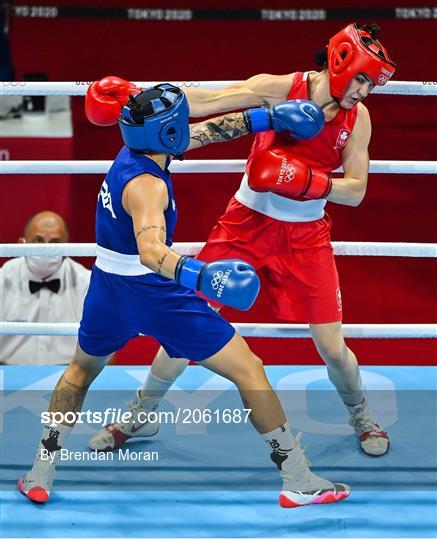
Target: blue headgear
{"type": "Point", "coordinates": [156, 120]}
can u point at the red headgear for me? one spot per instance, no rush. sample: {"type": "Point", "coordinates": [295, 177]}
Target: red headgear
{"type": "Point", "coordinates": [353, 51]}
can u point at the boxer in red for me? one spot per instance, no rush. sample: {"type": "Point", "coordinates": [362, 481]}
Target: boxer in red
{"type": "Point", "coordinates": [277, 221]}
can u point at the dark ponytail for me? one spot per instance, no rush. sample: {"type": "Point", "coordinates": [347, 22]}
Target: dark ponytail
{"type": "Point", "coordinates": [373, 29]}
{"type": "Point", "coordinates": [321, 57]}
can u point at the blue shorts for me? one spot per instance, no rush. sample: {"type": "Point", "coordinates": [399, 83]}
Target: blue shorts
{"type": "Point", "coordinates": [118, 308]}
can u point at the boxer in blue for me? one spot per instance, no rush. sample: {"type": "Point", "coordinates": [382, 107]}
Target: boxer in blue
{"type": "Point", "coordinates": [139, 285]}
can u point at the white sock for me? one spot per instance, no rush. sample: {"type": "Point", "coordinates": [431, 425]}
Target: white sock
{"type": "Point", "coordinates": [280, 439]}
{"type": "Point", "coordinates": [352, 400]}
{"type": "Point", "coordinates": [153, 386]}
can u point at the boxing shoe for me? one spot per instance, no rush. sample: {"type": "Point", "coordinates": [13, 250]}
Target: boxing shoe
{"type": "Point", "coordinates": [372, 439]}
{"type": "Point", "coordinates": [301, 486]}
{"type": "Point", "coordinates": [37, 483]}
{"type": "Point", "coordinates": [115, 435]}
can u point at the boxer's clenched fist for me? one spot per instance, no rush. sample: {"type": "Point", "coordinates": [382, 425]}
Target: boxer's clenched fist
{"type": "Point", "coordinates": [278, 171]}
{"type": "Point", "coordinates": [105, 99]}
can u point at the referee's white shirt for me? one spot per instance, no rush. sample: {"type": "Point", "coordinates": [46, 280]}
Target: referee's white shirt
{"type": "Point", "coordinates": [17, 304]}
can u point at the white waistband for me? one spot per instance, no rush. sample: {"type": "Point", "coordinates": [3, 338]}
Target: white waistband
{"type": "Point", "coordinates": [119, 263]}
{"type": "Point", "coordinates": [278, 207]}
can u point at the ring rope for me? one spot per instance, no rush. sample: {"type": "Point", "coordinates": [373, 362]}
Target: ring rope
{"type": "Point", "coordinates": [192, 166]}
{"type": "Point", "coordinates": [201, 166]}
{"type": "Point", "coordinates": [264, 330]}
{"type": "Point", "coordinates": [365, 249]}
{"type": "Point", "coordinates": [79, 88]}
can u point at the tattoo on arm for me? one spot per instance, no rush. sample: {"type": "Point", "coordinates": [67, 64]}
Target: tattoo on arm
{"type": "Point", "coordinates": [161, 262]}
{"type": "Point", "coordinates": [145, 228]}
{"type": "Point", "coordinates": [224, 128]}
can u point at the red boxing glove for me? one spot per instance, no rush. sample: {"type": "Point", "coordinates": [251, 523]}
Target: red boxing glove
{"type": "Point", "coordinates": [105, 98]}
{"type": "Point", "coordinates": [278, 171]}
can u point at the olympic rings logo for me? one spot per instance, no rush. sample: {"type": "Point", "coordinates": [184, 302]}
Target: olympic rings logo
{"type": "Point", "coordinates": [216, 279]}
{"type": "Point", "coordinates": [290, 171]}
{"type": "Point", "coordinates": [13, 83]}
{"type": "Point", "coordinates": [382, 79]}
{"type": "Point", "coordinates": [286, 172]}
{"type": "Point", "coordinates": [188, 84]}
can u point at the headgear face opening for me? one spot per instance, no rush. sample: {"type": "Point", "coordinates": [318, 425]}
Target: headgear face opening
{"type": "Point", "coordinates": [353, 51]}
{"type": "Point", "coordinates": [156, 120]}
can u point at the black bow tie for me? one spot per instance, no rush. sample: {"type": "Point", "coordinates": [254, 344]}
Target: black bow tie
{"type": "Point", "coordinates": [54, 285]}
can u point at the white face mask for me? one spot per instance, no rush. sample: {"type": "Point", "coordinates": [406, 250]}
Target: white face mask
{"type": "Point", "coordinates": [43, 267]}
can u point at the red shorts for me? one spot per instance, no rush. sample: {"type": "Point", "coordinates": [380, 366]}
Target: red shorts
{"type": "Point", "coordinates": [295, 261]}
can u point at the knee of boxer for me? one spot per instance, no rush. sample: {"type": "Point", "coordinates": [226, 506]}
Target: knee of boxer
{"type": "Point", "coordinates": [166, 368]}
{"type": "Point", "coordinates": [250, 374]}
{"type": "Point", "coordinates": [333, 353]}
{"type": "Point", "coordinates": [82, 373]}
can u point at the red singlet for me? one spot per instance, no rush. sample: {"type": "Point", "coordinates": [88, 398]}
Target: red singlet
{"type": "Point", "coordinates": [288, 241]}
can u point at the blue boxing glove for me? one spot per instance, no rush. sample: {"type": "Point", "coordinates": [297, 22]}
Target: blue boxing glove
{"type": "Point", "coordinates": [303, 119]}
{"type": "Point", "coordinates": [231, 282]}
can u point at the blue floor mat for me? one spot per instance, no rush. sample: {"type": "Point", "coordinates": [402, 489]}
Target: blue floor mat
{"type": "Point", "coordinates": [393, 496]}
